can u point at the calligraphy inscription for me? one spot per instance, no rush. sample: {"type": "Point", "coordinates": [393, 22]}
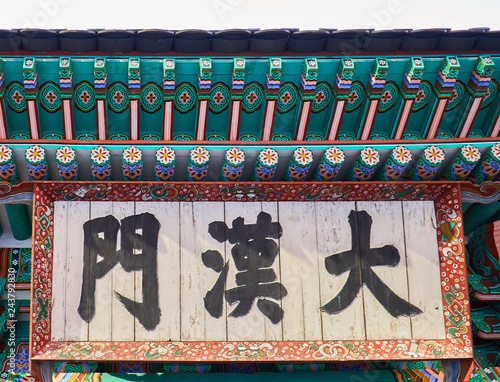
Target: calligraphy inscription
{"type": "Point", "coordinates": [254, 251]}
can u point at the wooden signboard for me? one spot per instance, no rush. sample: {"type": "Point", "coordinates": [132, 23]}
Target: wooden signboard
{"type": "Point", "coordinates": [255, 272]}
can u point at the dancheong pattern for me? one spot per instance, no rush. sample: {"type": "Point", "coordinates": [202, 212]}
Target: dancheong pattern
{"type": "Point", "coordinates": [423, 96]}
{"type": "Point", "coordinates": [151, 97]}
{"type": "Point", "coordinates": [287, 97]}
{"type": "Point", "coordinates": [219, 97]}
{"type": "Point", "coordinates": [490, 95]}
{"type": "Point", "coordinates": [456, 96]}
{"type": "Point", "coordinates": [50, 97]}
{"type": "Point", "coordinates": [388, 97]}
{"type": "Point", "coordinates": [252, 97]}
{"type": "Point", "coordinates": [84, 96]}
{"type": "Point", "coordinates": [322, 97]}
{"type": "Point", "coordinates": [118, 97]}
{"type": "Point", "coordinates": [355, 98]}
{"type": "Point", "coordinates": [185, 97]}
{"type": "Point", "coordinates": [15, 97]}
{"type": "Point", "coordinates": [453, 268]}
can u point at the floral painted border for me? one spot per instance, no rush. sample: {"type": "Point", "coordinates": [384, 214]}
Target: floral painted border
{"type": "Point", "coordinates": [446, 197]}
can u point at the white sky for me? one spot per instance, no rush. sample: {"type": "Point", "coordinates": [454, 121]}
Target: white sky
{"type": "Point", "coordinates": [224, 14]}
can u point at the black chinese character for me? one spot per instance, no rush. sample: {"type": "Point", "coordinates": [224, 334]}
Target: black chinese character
{"type": "Point", "coordinates": [359, 262]}
{"type": "Point", "coordinates": [148, 311]}
{"type": "Point", "coordinates": [253, 255]}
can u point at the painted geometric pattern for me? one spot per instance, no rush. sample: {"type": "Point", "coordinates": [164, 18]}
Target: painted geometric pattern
{"type": "Point", "coordinates": [185, 97]}
{"type": "Point", "coordinates": [117, 97]}
{"type": "Point", "coordinates": [216, 137]}
{"type": "Point", "coordinates": [423, 96]}
{"type": "Point", "coordinates": [86, 137]}
{"type": "Point", "coordinates": [151, 97]}
{"type": "Point", "coordinates": [355, 98]}
{"type": "Point", "coordinates": [322, 97]}
{"type": "Point", "coordinates": [281, 138]}
{"type": "Point", "coordinates": [15, 97]}
{"type": "Point", "coordinates": [150, 137]}
{"type": "Point", "coordinates": [287, 97]}
{"type": "Point", "coordinates": [84, 96]}
{"type": "Point", "coordinates": [249, 138]}
{"type": "Point", "coordinates": [253, 95]}
{"type": "Point", "coordinates": [389, 97]}
{"type": "Point", "coordinates": [456, 96]}
{"type": "Point", "coordinates": [219, 97]}
{"type": "Point", "coordinates": [490, 95]}
{"type": "Point", "coordinates": [183, 137]}
{"type": "Point", "coordinates": [50, 97]}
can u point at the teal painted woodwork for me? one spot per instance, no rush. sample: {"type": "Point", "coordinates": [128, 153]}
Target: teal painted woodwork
{"type": "Point", "coordinates": [19, 220]}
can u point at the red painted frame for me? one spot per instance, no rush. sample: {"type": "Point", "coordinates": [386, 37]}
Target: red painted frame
{"type": "Point", "coordinates": [447, 202]}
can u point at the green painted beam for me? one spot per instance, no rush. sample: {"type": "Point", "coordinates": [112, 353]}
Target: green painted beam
{"type": "Point", "coordinates": [19, 220]}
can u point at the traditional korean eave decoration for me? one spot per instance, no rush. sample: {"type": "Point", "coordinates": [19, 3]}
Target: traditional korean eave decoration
{"type": "Point", "coordinates": [237, 86]}
{"type": "Point", "coordinates": [204, 85]}
{"type": "Point", "coordinates": [8, 169]}
{"type": "Point", "coordinates": [273, 81]}
{"type": "Point", "coordinates": [447, 77]}
{"type": "Point", "coordinates": [100, 88]}
{"type": "Point", "coordinates": [67, 165]}
{"type": "Point", "coordinates": [30, 80]}
{"type": "Point", "coordinates": [3, 125]}
{"type": "Point", "coordinates": [168, 97]}
{"type": "Point", "coordinates": [134, 93]}
{"type": "Point", "coordinates": [444, 199]}
{"type": "Point", "coordinates": [66, 88]}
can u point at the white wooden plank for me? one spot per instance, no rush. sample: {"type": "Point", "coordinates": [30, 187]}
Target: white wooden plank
{"type": "Point", "coordinates": [168, 268]}
{"type": "Point", "coordinates": [334, 237]}
{"type": "Point", "coordinates": [58, 320]}
{"type": "Point", "coordinates": [197, 279]}
{"type": "Point", "coordinates": [100, 326]}
{"type": "Point", "coordinates": [253, 325]}
{"type": "Point", "coordinates": [424, 278]}
{"type": "Point", "coordinates": [299, 271]}
{"type": "Point", "coordinates": [274, 332]}
{"type": "Point", "coordinates": [386, 229]}
{"type": "Point", "coordinates": [76, 328]}
{"type": "Point", "coordinates": [123, 283]}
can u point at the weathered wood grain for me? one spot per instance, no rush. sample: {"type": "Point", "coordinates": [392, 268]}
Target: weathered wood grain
{"type": "Point", "coordinates": [58, 321]}
{"type": "Point", "coordinates": [424, 278]}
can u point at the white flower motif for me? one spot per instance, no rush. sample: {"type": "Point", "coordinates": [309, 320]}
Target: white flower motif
{"type": "Point", "coordinates": [470, 153]}
{"type": "Point", "coordinates": [401, 154]}
{"type": "Point", "coordinates": [35, 154]}
{"type": "Point", "coordinates": [303, 156]}
{"type": "Point", "coordinates": [100, 154]}
{"type": "Point", "coordinates": [434, 154]}
{"type": "Point", "coordinates": [65, 154]}
{"type": "Point", "coordinates": [269, 157]}
{"type": "Point", "coordinates": [235, 156]}
{"type": "Point", "coordinates": [5, 153]}
{"type": "Point", "coordinates": [132, 154]}
{"type": "Point", "coordinates": [370, 156]}
{"type": "Point", "coordinates": [199, 155]}
{"type": "Point", "coordinates": [165, 155]}
{"type": "Point", "coordinates": [334, 155]}
{"type": "Point", "coordinates": [495, 150]}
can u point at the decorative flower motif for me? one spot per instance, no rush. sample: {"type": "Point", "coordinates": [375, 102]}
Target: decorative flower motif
{"type": "Point", "coordinates": [495, 150]}
{"type": "Point", "coordinates": [218, 98]}
{"type": "Point", "coordinates": [165, 155]}
{"type": "Point", "coordinates": [184, 97]}
{"type": "Point", "coordinates": [386, 97]}
{"type": "Point", "coordinates": [319, 97]}
{"type": "Point", "coordinates": [434, 154]}
{"type": "Point", "coordinates": [65, 154]}
{"type": "Point", "coordinates": [151, 98]}
{"type": "Point", "coordinates": [268, 157]}
{"type": "Point", "coordinates": [235, 156]}
{"type": "Point", "coordinates": [5, 153]}
{"type": "Point", "coordinates": [286, 97]}
{"type": "Point", "coordinates": [132, 154]}
{"type": "Point", "coordinates": [353, 96]}
{"type": "Point", "coordinates": [370, 156]}
{"type": "Point", "coordinates": [334, 155]}
{"type": "Point", "coordinates": [100, 154]}
{"type": "Point", "coordinates": [85, 96]}
{"type": "Point", "coordinates": [401, 154]}
{"type": "Point", "coordinates": [303, 156]}
{"type": "Point", "coordinates": [470, 153]}
{"type": "Point", "coordinates": [199, 155]}
{"type": "Point", "coordinates": [420, 96]}
{"type": "Point", "coordinates": [118, 97]}
{"type": "Point", "coordinates": [51, 97]}
{"type": "Point", "coordinates": [252, 97]}
{"type": "Point", "coordinates": [35, 154]}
